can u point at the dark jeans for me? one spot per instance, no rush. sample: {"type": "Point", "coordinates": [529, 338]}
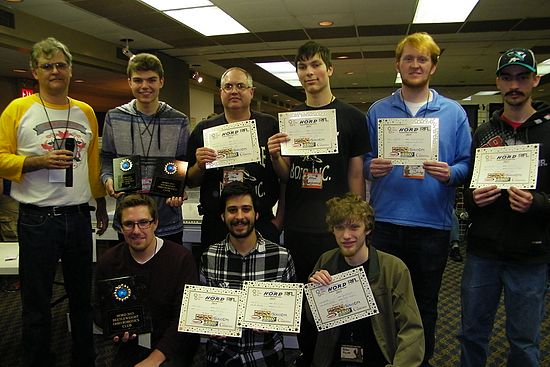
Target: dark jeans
{"type": "Point", "coordinates": [424, 251]}
{"type": "Point", "coordinates": [129, 354]}
{"type": "Point", "coordinates": [43, 240]}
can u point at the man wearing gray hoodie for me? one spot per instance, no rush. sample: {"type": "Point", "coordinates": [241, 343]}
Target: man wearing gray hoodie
{"type": "Point", "coordinates": [150, 129]}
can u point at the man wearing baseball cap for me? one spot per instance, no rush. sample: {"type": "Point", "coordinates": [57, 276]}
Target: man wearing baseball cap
{"type": "Point", "coordinates": [509, 238]}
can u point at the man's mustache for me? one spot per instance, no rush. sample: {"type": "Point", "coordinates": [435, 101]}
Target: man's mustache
{"type": "Point", "coordinates": [515, 92]}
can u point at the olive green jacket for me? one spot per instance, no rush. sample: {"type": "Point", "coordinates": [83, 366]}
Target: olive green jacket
{"type": "Point", "coordinates": [397, 328]}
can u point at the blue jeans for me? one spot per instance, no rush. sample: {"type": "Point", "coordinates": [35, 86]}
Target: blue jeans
{"type": "Point", "coordinates": [43, 240]}
{"type": "Point", "coordinates": [424, 251]}
{"type": "Point", "coordinates": [524, 287]}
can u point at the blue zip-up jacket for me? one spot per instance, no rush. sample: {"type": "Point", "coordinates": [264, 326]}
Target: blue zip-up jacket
{"type": "Point", "coordinates": [420, 202]}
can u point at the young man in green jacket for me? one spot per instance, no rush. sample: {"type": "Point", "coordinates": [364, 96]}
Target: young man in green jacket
{"type": "Point", "coordinates": [393, 337]}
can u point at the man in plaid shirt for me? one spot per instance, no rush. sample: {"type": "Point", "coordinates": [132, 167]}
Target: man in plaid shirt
{"type": "Point", "coordinates": [244, 255]}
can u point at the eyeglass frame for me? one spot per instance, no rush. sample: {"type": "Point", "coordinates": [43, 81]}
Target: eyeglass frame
{"type": "Point", "coordinates": [59, 66]}
{"type": "Point", "coordinates": [239, 87]}
{"type": "Point", "coordinates": [142, 224]}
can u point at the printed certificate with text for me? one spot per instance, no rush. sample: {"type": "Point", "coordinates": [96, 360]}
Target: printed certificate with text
{"type": "Point", "coordinates": [271, 306]}
{"type": "Point", "coordinates": [235, 143]}
{"type": "Point", "coordinates": [515, 165]}
{"type": "Point", "coordinates": [408, 141]}
{"type": "Point", "coordinates": [348, 298]}
{"type": "Point", "coordinates": [210, 311]}
{"type": "Point", "coordinates": [310, 132]}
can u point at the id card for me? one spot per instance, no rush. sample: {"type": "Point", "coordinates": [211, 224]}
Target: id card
{"type": "Point", "coordinates": [413, 171]}
{"type": "Point", "coordinates": [146, 184]}
{"type": "Point", "coordinates": [232, 175]}
{"type": "Point", "coordinates": [312, 180]}
{"type": "Point", "coordinates": [56, 175]}
{"type": "Point", "coordinates": [351, 353]}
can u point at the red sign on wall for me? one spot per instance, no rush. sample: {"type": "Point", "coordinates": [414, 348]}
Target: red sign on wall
{"type": "Point", "coordinates": [26, 92]}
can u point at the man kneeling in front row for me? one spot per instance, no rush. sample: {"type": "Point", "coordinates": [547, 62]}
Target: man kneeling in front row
{"type": "Point", "coordinates": [394, 337]}
{"type": "Point", "coordinates": [165, 268]}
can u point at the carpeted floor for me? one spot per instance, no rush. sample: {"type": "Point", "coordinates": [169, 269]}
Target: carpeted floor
{"type": "Point", "coordinates": [446, 353]}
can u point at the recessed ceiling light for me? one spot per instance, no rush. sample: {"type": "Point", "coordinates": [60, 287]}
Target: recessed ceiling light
{"type": "Point", "coordinates": [79, 81]}
{"type": "Point", "coordinates": [343, 57]}
{"type": "Point", "coordinates": [13, 1]}
{"type": "Point", "coordinates": [354, 83]}
{"type": "Point", "coordinates": [349, 72]}
{"type": "Point", "coordinates": [19, 70]}
{"type": "Point", "coordinates": [275, 95]}
{"type": "Point", "coordinates": [326, 23]}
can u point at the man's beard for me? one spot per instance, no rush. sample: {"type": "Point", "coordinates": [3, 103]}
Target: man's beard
{"type": "Point", "coordinates": [250, 224]}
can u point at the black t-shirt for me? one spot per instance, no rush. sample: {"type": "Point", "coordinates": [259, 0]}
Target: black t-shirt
{"type": "Point", "coordinates": [305, 209]}
{"type": "Point", "coordinates": [360, 333]}
{"type": "Point", "coordinates": [260, 175]}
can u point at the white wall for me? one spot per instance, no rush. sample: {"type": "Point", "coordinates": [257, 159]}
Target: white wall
{"type": "Point", "coordinates": [201, 104]}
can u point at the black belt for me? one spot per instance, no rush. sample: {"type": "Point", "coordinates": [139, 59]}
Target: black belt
{"type": "Point", "coordinates": [57, 210]}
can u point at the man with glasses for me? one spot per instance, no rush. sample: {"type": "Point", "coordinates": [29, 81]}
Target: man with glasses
{"type": "Point", "coordinates": [509, 238]}
{"type": "Point", "coordinates": [150, 129]}
{"type": "Point", "coordinates": [236, 94]}
{"type": "Point", "coordinates": [165, 268]}
{"type": "Point", "coordinates": [44, 138]}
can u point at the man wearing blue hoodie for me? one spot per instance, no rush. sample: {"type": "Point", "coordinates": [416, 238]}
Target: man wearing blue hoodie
{"type": "Point", "coordinates": [151, 129]}
{"type": "Point", "coordinates": [414, 210]}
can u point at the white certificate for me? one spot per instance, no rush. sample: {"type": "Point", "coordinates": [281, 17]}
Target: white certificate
{"type": "Point", "coordinates": [310, 132]}
{"type": "Point", "coordinates": [408, 140]}
{"type": "Point", "coordinates": [234, 143]}
{"type": "Point", "coordinates": [271, 306]}
{"type": "Point", "coordinates": [515, 165]}
{"type": "Point", "coordinates": [210, 310]}
{"type": "Point", "coordinates": [348, 298]}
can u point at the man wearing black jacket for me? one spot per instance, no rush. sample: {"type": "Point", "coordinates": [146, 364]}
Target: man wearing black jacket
{"type": "Point", "coordinates": [509, 239]}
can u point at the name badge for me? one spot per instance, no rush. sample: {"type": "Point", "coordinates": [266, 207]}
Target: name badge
{"type": "Point", "coordinates": [413, 171]}
{"type": "Point", "coordinates": [312, 180]}
{"type": "Point", "coordinates": [232, 175]}
{"type": "Point", "coordinates": [146, 184]}
{"type": "Point", "coordinates": [56, 175]}
{"type": "Point", "coordinates": [351, 353]}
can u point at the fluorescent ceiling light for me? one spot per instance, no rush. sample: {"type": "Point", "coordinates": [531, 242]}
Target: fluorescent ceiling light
{"type": "Point", "coordinates": [283, 70]}
{"type": "Point", "coordinates": [398, 78]}
{"type": "Point", "coordinates": [210, 21]}
{"type": "Point", "coordinates": [487, 93]}
{"type": "Point", "coordinates": [200, 15]}
{"type": "Point", "coordinates": [543, 68]}
{"type": "Point", "coordinates": [443, 11]}
{"type": "Point", "coordinates": [176, 4]}
{"type": "Point", "coordinates": [482, 93]}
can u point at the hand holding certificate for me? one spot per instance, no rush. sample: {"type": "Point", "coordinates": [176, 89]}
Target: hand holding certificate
{"type": "Point", "coordinates": [348, 298]}
{"type": "Point", "coordinates": [271, 306]}
{"type": "Point", "coordinates": [310, 132]}
{"type": "Point", "coordinates": [234, 143]}
{"type": "Point", "coordinates": [506, 166]}
{"type": "Point", "coordinates": [210, 311]}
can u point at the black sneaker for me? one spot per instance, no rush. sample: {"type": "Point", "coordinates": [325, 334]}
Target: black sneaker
{"type": "Point", "coordinates": [454, 253]}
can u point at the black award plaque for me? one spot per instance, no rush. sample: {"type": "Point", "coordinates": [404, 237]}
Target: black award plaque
{"type": "Point", "coordinates": [127, 174]}
{"type": "Point", "coordinates": [169, 177]}
{"type": "Point", "coordinates": [124, 306]}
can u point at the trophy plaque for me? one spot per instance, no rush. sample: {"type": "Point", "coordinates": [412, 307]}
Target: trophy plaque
{"type": "Point", "coordinates": [127, 174]}
{"type": "Point", "coordinates": [169, 177]}
{"type": "Point", "coordinates": [124, 306]}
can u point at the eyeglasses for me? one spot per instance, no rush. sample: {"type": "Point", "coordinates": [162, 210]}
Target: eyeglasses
{"type": "Point", "coordinates": [142, 224]}
{"type": "Point", "coordinates": [228, 87]}
{"type": "Point", "coordinates": [58, 65]}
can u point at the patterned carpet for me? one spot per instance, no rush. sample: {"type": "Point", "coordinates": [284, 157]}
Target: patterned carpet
{"type": "Point", "coordinates": [446, 353]}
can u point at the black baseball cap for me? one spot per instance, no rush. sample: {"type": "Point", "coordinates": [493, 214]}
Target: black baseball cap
{"type": "Point", "coordinates": [517, 56]}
